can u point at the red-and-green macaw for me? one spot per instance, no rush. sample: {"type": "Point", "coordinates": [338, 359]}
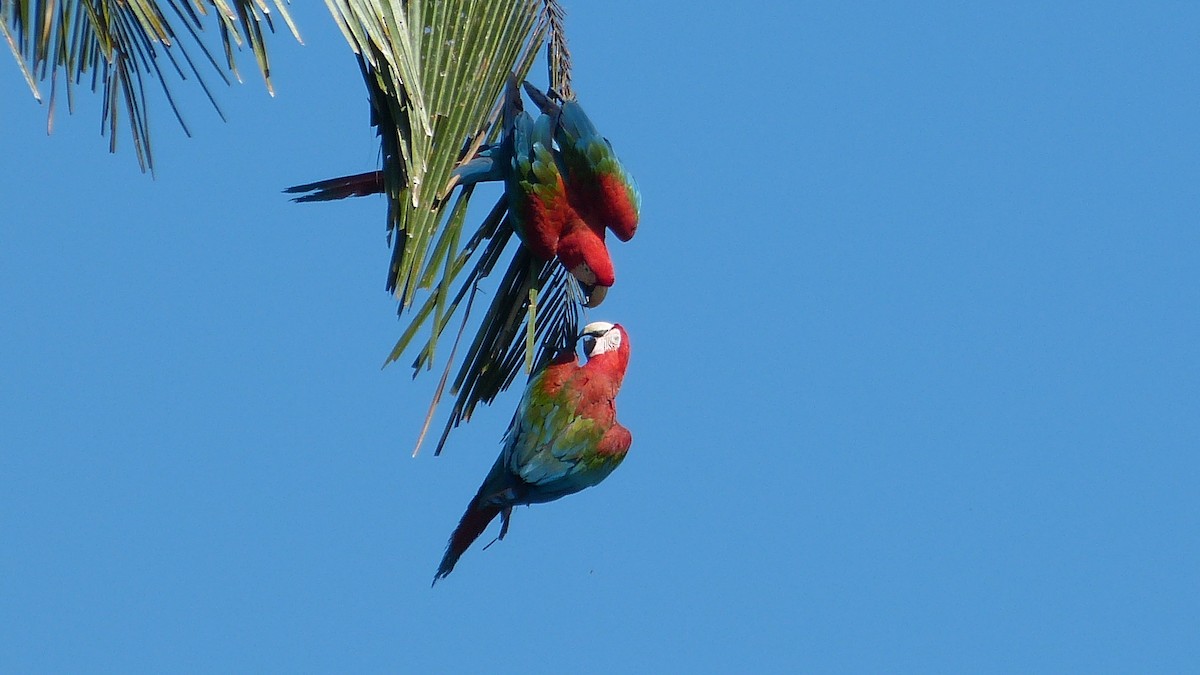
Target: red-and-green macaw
{"type": "Point", "coordinates": [599, 187]}
{"type": "Point", "coordinates": [565, 437]}
{"type": "Point", "coordinates": [542, 213]}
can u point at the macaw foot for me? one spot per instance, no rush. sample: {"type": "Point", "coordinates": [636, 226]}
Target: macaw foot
{"type": "Point", "coordinates": [505, 514]}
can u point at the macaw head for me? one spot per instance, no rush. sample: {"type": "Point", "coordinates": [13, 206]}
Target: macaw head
{"type": "Point", "coordinates": [600, 337]}
{"type": "Point", "coordinates": [582, 251]}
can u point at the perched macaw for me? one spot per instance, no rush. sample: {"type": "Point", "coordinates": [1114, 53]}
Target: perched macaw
{"type": "Point", "coordinates": [597, 184]}
{"type": "Point", "coordinates": [564, 438]}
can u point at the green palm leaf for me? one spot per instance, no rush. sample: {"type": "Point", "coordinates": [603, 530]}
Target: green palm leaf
{"type": "Point", "coordinates": [120, 43]}
{"type": "Point", "coordinates": [436, 70]}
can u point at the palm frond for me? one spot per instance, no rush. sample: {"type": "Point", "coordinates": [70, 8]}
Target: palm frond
{"type": "Point", "coordinates": [505, 341]}
{"type": "Point", "coordinates": [558, 57]}
{"type": "Point", "coordinates": [436, 70]}
{"type": "Point", "coordinates": [121, 43]}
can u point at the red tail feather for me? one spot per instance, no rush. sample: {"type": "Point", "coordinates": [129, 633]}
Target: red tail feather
{"type": "Point", "coordinates": [473, 523]}
{"type": "Point", "coordinates": [358, 185]}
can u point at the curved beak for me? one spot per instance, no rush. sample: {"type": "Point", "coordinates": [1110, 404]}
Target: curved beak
{"type": "Point", "coordinates": [595, 295]}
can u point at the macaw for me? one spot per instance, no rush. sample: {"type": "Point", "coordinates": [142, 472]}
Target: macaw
{"type": "Point", "coordinates": [564, 438]}
{"type": "Point", "coordinates": [599, 187]}
{"type": "Point", "coordinates": [542, 214]}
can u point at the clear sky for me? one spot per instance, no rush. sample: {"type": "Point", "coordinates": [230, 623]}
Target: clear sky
{"type": "Point", "coordinates": [913, 309]}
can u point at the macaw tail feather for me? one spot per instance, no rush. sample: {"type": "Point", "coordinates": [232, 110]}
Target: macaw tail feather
{"type": "Point", "coordinates": [473, 523]}
{"type": "Point", "coordinates": [358, 185]}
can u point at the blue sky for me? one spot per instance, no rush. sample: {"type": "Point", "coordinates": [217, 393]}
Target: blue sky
{"type": "Point", "coordinates": [913, 309]}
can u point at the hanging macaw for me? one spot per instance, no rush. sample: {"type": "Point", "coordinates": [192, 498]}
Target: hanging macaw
{"type": "Point", "coordinates": [599, 187]}
{"type": "Point", "coordinates": [564, 438]}
{"type": "Point", "coordinates": [542, 214]}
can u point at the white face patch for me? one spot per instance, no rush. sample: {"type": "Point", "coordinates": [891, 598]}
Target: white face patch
{"type": "Point", "coordinates": [597, 328]}
{"type": "Point", "coordinates": [584, 274]}
{"type": "Point", "coordinates": [609, 342]}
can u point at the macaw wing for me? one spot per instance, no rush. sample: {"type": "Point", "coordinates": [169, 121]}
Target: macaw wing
{"type": "Point", "coordinates": [536, 163]}
{"type": "Point", "coordinates": [549, 443]}
{"type": "Point", "coordinates": [612, 192]}
{"type": "Point", "coordinates": [596, 175]}
{"type": "Point", "coordinates": [572, 124]}
{"type": "Point", "coordinates": [524, 190]}
{"type": "Point", "coordinates": [576, 126]}
{"type": "Point", "coordinates": [537, 197]}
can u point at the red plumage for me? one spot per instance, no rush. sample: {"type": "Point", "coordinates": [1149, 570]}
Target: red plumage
{"type": "Point", "coordinates": [616, 208]}
{"type": "Point", "coordinates": [583, 252]}
{"type": "Point", "coordinates": [543, 220]}
{"type": "Point", "coordinates": [604, 199]}
{"type": "Point", "coordinates": [358, 185]}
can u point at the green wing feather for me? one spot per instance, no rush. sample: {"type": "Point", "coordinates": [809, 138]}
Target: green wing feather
{"type": "Point", "coordinates": [596, 158]}
{"type": "Point", "coordinates": [551, 446]}
{"type": "Point", "coordinates": [543, 179]}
